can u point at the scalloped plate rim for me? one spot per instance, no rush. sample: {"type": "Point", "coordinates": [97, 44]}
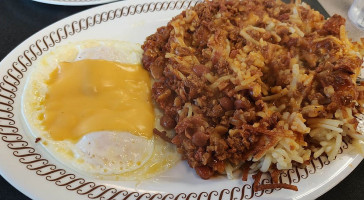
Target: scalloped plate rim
{"type": "Point", "coordinates": [9, 176]}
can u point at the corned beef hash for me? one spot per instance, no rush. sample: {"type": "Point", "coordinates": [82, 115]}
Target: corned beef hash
{"type": "Point", "coordinates": [259, 85]}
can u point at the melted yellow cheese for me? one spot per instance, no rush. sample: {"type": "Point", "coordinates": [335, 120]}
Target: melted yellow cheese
{"type": "Point", "coordinates": [96, 95]}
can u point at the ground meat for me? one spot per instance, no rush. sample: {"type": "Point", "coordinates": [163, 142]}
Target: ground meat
{"type": "Point", "coordinates": [162, 134]}
{"type": "Point", "coordinates": [204, 172]}
{"type": "Point", "coordinates": [199, 138]}
{"type": "Point", "coordinates": [332, 25]}
{"type": "Point", "coordinates": [167, 122]}
{"type": "Point", "coordinates": [224, 77]}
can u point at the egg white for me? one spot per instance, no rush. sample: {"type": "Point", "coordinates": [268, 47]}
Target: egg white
{"type": "Point", "coordinates": [105, 154]}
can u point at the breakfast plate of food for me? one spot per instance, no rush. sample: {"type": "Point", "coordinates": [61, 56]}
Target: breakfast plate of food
{"type": "Point", "coordinates": [140, 100]}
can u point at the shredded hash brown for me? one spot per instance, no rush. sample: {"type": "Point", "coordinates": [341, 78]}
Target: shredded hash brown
{"type": "Point", "coordinates": [255, 83]}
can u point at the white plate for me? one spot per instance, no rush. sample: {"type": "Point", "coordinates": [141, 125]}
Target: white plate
{"type": "Point", "coordinates": [75, 2]}
{"type": "Point", "coordinates": [37, 174]}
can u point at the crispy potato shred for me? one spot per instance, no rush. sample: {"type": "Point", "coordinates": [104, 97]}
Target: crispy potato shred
{"type": "Point", "coordinates": [256, 83]}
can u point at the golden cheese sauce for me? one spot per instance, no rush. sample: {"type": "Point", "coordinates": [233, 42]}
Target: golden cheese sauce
{"type": "Point", "coordinates": [96, 95]}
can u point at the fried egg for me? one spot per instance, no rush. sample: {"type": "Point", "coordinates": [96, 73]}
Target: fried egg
{"type": "Point", "coordinates": [90, 104]}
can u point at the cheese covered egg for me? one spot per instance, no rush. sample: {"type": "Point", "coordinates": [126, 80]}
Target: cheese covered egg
{"type": "Point", "coordinates": [90, 104]}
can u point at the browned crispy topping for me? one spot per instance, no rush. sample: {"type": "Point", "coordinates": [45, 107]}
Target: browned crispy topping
{"type": "Point", "coordinates": [234, 78]}
{"type": "Point", "coordinates": [38, 139]}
